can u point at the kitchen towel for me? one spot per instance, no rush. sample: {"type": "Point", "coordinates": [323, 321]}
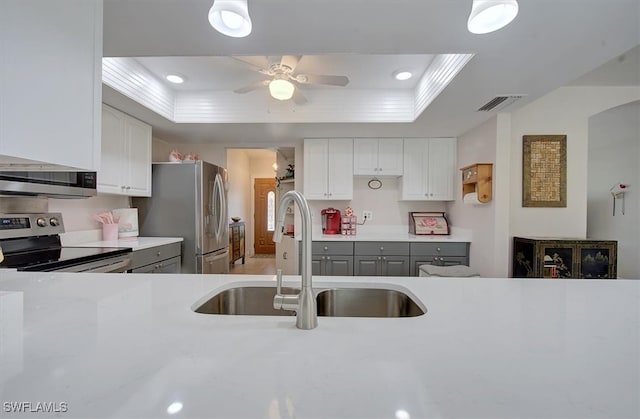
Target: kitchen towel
{"type": "Point", "coordinates": [127, 223]}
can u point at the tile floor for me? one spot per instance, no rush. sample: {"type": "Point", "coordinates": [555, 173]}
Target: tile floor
{"type": "Point", "coordinates": [254, 266]}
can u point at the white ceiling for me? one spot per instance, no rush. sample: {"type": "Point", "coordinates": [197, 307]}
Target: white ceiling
{"type": "Point", "coordinates": [550, 44]}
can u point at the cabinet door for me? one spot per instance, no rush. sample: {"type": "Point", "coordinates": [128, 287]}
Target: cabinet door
{"type": "Point", "coordinates": [395, 266]}
{"type": "Point", "coordinates": [413, 184]}
{"type": "Point", "coordinates": [390, 157]}
{"type": "Point", "coordinates": [50, 78]}
{"type": "Point", "coordinates": [367, 265]}
{"type": "Point", "coordinates": [365, 156]}
{"type": "Point", "coordinates": [317, 265]}
{"type": "Point", "coordinates": [113, 166]}
{"type": "Point", "coordinates": [315, 168]}
{"type": "Point", "coordinates": [340, 168]}
{"type": "Point", "coordinates": [338, 265]}
{"type": "Point", "coordinates": [138, 136]}
{"type": "Point", "coordinates": [441, 168]}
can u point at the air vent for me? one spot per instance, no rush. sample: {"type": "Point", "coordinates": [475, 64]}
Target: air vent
{"type": "Point", "coordinates": [499, 102]}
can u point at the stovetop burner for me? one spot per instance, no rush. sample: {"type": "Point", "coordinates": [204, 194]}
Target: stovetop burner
{"type": "Point", "coordinates": [31, 242]}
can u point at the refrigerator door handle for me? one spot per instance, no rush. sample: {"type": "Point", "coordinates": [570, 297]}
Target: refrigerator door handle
{"type": "Point", "coordinates": [219, 191]}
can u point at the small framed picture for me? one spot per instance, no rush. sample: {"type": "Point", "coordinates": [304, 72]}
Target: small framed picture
{"type": "Point", "coordinates": [428, 223]}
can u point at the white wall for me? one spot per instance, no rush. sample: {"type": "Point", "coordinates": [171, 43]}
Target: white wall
{"type": "Point", "coordinates": [614, 156]}
{"type": "Point", "coordinates": [564, 111]}
{"type": "Point", "coordinates": [477, 146]}
{"type": "Point", "coordinates": [239, 196]}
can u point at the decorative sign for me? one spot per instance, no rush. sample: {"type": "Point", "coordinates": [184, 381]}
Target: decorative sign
{"type": "Point", "coordinates": [544, 171]}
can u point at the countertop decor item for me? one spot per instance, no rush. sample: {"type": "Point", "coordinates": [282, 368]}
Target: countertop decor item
{"type": "Point", "coordinates": [430, 223]}
{"type": "Point", "coordinates": [235, 219]}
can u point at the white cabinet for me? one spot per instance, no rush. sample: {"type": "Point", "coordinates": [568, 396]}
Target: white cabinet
{"type": "Point", "coordinates": [328, 168]}
{"type": "Point", "coordinates": [377, 156]}
{"type": "Point", "coordinates": [429, 169]}
{"type": "Point", "coordinates": [126, 155]}
{"type": "Point", "coordinates": [50, 82]}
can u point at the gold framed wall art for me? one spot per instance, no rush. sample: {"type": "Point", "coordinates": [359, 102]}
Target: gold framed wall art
{"type": "Point", "coordinates": [544, 171]}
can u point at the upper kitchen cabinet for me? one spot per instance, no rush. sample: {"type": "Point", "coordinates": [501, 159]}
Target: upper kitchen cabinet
{"type": "Point", "coordinates": [429, 169]}
{"type": "Point", "coordinates": [377, 156]}
{"type": "Point", "coordinates": [50, 82]}
{"type": "Point", "coordinates": [328, 168]}
{"type": "Point", "coordinates": [126, 155]}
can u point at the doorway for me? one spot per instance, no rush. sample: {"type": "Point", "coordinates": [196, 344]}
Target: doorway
{"type": "Point", "coordinates": [264, 216]}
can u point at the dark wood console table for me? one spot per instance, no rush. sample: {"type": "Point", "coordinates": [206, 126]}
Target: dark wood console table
{"type": "Point", "coordinates": [236, 241]}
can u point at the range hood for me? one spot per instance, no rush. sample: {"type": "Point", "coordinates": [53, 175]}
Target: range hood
{"type": "Point", "coordinates": [52, 184]}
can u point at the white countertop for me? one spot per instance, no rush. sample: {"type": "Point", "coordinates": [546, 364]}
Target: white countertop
{"type": "Point", "coordinates": [129, 346]}
{"type": "Point", "coordinates": [137, 243]}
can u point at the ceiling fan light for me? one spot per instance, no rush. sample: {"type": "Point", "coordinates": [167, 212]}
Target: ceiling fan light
{"type": "Point", "coordinates": [281, 89]}
{"type": "Point", "coordinates": [490, 15]}
{"type": "Point", "coordinates": [230, 17]}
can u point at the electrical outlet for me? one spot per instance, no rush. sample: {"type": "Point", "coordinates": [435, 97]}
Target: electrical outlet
{"type": "Point", "coordinates": [367, 215]}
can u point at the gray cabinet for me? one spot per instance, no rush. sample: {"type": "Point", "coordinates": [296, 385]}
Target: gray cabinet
{"type": "Point", "coordinates": [330, 258]}
{"type": "Point", "coordinates": [159, 259]}
{"type": "Point", "coordinates": [381, 259]}
{"type": "Point", "coordinates": [443, 254]}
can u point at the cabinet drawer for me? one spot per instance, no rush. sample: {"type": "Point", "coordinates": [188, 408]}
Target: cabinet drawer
{"type": "Point", "coordinates": [155, 254]}
{"type": "Point", "coordinates": [331, 248]}
{"type": "Point", "coordinates": [167, 266]}
{"type": "Point", "coordinates": [382, 248]}
{"type": "Point", "coordinates": [439, 248]}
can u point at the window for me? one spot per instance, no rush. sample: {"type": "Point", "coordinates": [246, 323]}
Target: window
{"type": "Point", "coordinates": [271, 211]}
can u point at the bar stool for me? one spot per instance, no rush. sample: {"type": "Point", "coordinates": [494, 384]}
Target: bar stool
{"type": "Point", "coordinates": [454, 271]}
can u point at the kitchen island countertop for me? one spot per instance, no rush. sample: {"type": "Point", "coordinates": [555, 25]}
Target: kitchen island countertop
{"type": "Point", "coordinates": [125, 346]}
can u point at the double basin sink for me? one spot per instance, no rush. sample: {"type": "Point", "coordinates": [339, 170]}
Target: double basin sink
{"type": "Point", "coordinates": [331, 302]}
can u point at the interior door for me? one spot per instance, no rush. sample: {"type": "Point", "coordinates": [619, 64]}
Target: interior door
{"type": "Point", "coordinates": [264, 216]}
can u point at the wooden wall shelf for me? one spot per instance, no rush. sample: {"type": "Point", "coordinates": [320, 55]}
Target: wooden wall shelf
{"type": "Point", "coordinates": [478, 178]}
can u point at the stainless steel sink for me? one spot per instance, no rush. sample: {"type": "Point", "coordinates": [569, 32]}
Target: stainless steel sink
{"type": "Point", "coordinates": [250, 301]}
{"type": "Point", "coordinates": [334, 302]}
{"type": "Point", "coordinates": [366, 302]}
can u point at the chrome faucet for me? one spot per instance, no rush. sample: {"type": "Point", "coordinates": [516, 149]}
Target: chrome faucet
{"type": "Point", "coordinates": [304, 304]}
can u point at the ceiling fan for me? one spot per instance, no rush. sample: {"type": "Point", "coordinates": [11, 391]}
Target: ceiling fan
{"type": "Point", "coordinates": [283, 83]}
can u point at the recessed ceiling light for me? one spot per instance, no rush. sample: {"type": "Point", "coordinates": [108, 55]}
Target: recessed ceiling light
{"type": "Point", "coordinates": [402, 75]}
{"type": "Point", "coordinates": [175, 78]}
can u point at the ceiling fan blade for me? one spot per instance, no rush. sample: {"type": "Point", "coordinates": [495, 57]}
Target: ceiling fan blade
{"type": "Point", "coordinates": [257, 62]}
{"type": "Point", "coordinates": [318, 79]}
{"type": "Point", "coordinates": [254, 86]}
{"type": "Point", "coordinates": [298, 97]}
{"type": "Point", "coordinates": [290, 61]}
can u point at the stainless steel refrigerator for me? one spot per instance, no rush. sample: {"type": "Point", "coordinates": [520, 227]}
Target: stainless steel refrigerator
{"type": "Point", "coordinates": [189, 200]}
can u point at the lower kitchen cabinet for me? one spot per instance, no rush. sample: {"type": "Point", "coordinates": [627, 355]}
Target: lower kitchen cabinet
{"type": "Point", "coordinates": [383, 258]}
{"type": "Point", "coordinates": [442, 254]}
{"type": "Point", "coordinates": [158, 259]}
{"type": "Point", "coordinates": [330, 258]}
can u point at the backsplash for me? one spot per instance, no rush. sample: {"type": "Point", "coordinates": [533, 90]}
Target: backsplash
{"type": "Point", "coordinates": [383, 203]}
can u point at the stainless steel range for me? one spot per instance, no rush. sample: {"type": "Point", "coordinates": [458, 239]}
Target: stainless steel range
{"type": "Point", "coordinates": [31, 242]}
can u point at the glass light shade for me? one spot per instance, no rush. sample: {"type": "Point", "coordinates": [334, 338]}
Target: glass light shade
{"type": "Point", "coordinates": [490, 15]}
{"type": "Point", "coordinates": [281, 89]}
{"type": "Point", "coordinates": [175, 78]}
{"type": "Point", "coordinates": [402, 75]}
{"type": "Point", "coordinates": [230, 17]}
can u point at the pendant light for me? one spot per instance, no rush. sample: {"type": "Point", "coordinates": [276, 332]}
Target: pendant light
{"type": "Point", "coordinates": [490, 15]}
{"type": "Point", "coordinates": [230, 17]}
{"type": "Point", "coordinates": [281, 89]}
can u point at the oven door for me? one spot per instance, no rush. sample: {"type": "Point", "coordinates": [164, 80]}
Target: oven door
{"type": "Point", "coordinates": [118, 264]}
